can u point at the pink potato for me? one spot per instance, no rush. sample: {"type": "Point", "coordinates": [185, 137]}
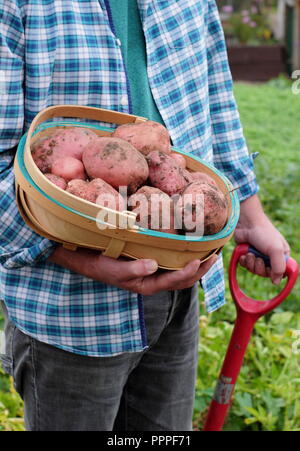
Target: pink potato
{"type": "Point", "coordinates": [165, 173]}
{"type": "Point", "coordinates": [80, 188]}
{"type": "Point", "coordinates": [97, 191]}
{"type": "Point", "coordinates": [65, 142]}
{"type": "Point", "coordinates": [116, 162]}
{"type": "Point", "coordinates": [181, 161]}
{"type": "Point", "coordinates": [145, 136]}
{"type": "Point", "coordinates": [154, 209]}
{"type": "Point", "coordinates": [58, 181]}
{"type": "Point", "coordinates": [68, 168]}
{"type": "Point", "coordinates": [71, 142]}
{"type": "Point", "coordinates": [107, 196]}
{"type": "Point", "coordinates": [202, 208]}
{"type": "Point", "coordinates": [42, 154]}
{"type": "Point", "coordinates": [202, 177]}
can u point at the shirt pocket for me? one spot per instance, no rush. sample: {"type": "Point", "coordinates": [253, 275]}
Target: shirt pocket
{"type": "Point", "coordinates": [180, 23]}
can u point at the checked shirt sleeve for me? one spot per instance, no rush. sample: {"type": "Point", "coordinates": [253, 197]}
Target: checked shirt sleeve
{"type": "Point", "coordinates": [231, 154]}
{"type": "Point", "coordinates": [19, 245]}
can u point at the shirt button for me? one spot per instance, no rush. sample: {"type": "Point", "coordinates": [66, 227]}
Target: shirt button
{"type": "Point", "coordinates": [118, 42]}
{"type": "Point", "coordinates": [124, 101]}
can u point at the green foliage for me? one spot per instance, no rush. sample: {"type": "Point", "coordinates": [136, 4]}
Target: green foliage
{"type": "Point", "coordinates": [11, 406]}
{"type": "Point", "coordinates": [267, 395]}
{"type": "Point", "coordinates": [255, 31]}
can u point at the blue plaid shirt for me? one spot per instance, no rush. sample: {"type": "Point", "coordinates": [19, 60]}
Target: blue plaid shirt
{"type": "Point", "coordinates": [64, 52]}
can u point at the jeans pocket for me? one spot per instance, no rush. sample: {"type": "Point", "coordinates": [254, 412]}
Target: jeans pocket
{"type": "Point", "coordinates": [6, 342]}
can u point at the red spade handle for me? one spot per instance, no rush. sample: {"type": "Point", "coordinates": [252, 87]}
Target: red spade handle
{"type": "Point", "coordinates": [252, 306]}
{"type": "Point", "coordinates": [248, 312]}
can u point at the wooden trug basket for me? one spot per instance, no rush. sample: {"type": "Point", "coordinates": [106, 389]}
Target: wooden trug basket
{"type": "Point", "coordinates": [62, 217]}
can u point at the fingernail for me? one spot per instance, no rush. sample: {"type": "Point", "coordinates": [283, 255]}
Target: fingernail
{"type": "Point", "coordinates": [151, 266]}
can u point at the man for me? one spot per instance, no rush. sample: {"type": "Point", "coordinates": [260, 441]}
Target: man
{"type": "Point", "coordinates": [94, 343]}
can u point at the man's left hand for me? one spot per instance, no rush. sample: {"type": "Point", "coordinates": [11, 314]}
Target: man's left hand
{"type": "Point", "coordinates": [256, 229]}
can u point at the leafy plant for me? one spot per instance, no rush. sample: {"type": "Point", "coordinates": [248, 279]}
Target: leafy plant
{"type": "Point", "coordinates": [248, 24]}
{"type": "Point", "coordinates": [11, 406]}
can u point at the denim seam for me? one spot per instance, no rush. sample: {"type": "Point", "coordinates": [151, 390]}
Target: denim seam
{"type": "Point", "coordinates": [11, 351]}
{"type": "Point", "coordinates": [34, 387]}
{"type": "Point", "coordinates": [125, 398]}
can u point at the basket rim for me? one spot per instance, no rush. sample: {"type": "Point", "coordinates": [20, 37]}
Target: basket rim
{"type": "Point", "coordinates": [225, 232]}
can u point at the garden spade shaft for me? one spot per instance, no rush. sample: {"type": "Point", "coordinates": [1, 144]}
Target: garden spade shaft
{"type": "Point", "coordinates": [248, 312]}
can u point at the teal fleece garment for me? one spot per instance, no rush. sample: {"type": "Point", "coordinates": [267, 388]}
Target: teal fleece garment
{"type": "Point", "coordinates": [128, 29]}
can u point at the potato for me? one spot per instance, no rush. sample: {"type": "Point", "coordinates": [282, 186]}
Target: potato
{"type": "Point", "coordinates": [42, 154]}
{"type": "Point", "coordinates": [165, 174]}
{"type": "Point", "coordinates": [68, 168]}
{"type": "Point", "coordinates": [80, 188]}
{"type": "Point", "coordinates": [202, 208]}
{"type": "Point", "coordinates": [181, 161]}
{"type": "Point", "coordinates": [145, 136]}
{"type": "Point", "coordinates": [202, 177]}
{"type": "Point", "coordinates": [155, 209]}
{"type": "Point", "coordinates": [58, 181]}
{"type": "Point", "coordinates": [98, 192]}
{"type": "Point", "coordinates": [107, 196]}
{"type": "Point", "coordinates": [117, 162]}
{"type": "Point", "coordinates": [69, 142]}
{"type": "Point", "coordinates": [187, 175]}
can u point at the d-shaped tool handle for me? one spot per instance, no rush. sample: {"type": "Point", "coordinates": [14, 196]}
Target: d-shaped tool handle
{"type": "Point", "coordinates": [253, 306]}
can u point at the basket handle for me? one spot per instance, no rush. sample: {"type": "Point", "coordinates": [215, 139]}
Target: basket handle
{"type": "Point", "coordinates": [84, 112]}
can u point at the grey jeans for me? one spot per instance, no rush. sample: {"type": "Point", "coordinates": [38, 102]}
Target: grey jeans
{"type": "Point", "coordinates": [146, 391]}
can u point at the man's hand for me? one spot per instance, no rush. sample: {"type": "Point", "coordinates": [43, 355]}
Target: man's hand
{"type": "Point", "coordinates": [255, 228]}
{"type": "Point", "coordinates": [140, 276]}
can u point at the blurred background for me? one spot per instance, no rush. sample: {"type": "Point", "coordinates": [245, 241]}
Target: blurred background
{"type": "Point", "coordinates": [263, 39]}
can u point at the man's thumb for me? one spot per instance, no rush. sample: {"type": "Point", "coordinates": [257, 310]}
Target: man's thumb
{"type": "Point", "coordinates": [278, 265]}
{"type": "Point", "coordinates": [139, 268]}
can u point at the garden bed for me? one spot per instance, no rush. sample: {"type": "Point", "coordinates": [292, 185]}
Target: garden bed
{"type": "Point", "coordinates": [257, 63]}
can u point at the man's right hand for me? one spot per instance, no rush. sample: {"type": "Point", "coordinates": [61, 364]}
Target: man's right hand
{"type": "Point", "coordinates": [138, 276]}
